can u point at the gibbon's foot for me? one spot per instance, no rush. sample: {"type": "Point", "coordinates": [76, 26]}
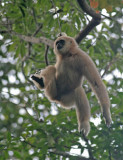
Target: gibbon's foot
{"type": "Point", "coordinates": [38, 80]}
{"type": "Point", "coordinates": [108, 122]}
{"type": "Point", "coordinates": [107, 117]}
{"type": "Point", "coordinates": [84, 128]}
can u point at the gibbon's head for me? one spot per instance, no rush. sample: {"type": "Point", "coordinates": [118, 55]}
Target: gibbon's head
{"type": "Point", "coordinates": [64, 45]}
{"type": "Point", "coordinates": [37, 80]}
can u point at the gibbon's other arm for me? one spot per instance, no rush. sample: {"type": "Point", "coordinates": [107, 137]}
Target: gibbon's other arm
{"type": "Point", "coordinates": [45, 79]}
{"type": "Point", "coordinates": [92, 75]}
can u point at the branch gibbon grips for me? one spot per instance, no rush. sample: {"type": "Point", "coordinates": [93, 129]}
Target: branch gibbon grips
{"type": "Point", "coordinates": [62, 82]}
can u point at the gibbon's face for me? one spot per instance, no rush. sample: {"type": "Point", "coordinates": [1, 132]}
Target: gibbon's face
{"type": "Point", "coordinates": [63, 45]}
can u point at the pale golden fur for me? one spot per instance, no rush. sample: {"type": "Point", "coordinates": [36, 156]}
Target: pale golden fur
{"type": "Point", "coordinates": [63, 82]}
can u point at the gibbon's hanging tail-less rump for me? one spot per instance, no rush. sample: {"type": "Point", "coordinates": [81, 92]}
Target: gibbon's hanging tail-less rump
{"type": "Point", "coordinates": [62, 82]}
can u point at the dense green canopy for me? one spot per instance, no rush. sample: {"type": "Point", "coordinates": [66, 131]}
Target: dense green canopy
{"type": "Point", "coordinates": [31, 127]}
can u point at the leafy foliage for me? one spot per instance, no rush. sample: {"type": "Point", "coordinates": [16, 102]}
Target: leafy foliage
{"type": "Point", "coordinates": [33, 128]}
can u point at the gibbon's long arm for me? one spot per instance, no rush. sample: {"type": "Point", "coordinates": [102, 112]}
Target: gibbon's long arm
{"type": "Point", "coordinates": [92, 75]}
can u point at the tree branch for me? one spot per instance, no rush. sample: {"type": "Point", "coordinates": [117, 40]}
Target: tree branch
{"type": "Point", "coordinates": [46, 55]}
{"type": "Point", "coordinates": [90, 11]}
{"type": "Point", "coordinates": [115, 59]}
{"type": "Point", "coordinates": [38, 29]}
{"type": "Point", "coordinates": [89, 148]}
{"type": "Point", "coordinates": [96, 18]}
{"type": "Point", "coordinates": [54, 151]}
{"type": "Point", "coordinates": [65, 154]}
{"type": "Point", "coordinates": [83, 33]}
{"type": "Point", "coordinates": [31, 39]}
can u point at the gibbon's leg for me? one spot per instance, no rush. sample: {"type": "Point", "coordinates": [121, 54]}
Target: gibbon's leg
{"type": "Point", "coordinates": [51, 89]}
{"type": "Point", "coordinates": [99, 88]}
{"type": "Point", "coordinates": [67, 100]}
{"type": "Point", "coordinates": [82, 110]}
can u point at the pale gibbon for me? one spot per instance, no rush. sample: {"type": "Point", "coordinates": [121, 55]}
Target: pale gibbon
{"type": "Point", "coordinates": [62, 82]}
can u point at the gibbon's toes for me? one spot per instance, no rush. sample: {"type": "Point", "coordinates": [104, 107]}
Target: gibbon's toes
{"type": "Point", "coordinates": [107, 118]}
{"type": "Point", "coordinates": [84, 128]}
{"type": "Point", "coordinates": [83, 132]}
{"type": "Point", "coordinates": [108, 122]}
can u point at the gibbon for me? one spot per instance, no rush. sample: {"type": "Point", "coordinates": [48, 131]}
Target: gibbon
{"type": "Point", "coordinates": [62, 82]}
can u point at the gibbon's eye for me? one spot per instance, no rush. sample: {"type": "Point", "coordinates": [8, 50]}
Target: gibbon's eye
{"type": "Point", "coordinates": [60, 44]}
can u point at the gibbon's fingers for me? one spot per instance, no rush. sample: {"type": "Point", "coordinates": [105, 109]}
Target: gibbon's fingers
{"type": "Point", "coordinates": [38, 81]}
{"type": "Point", "coordinates": [82, 110]}
{"type": "Point", "coordinates": [84, 128]}
{"type": "Point", "coordinates": [107, 117]}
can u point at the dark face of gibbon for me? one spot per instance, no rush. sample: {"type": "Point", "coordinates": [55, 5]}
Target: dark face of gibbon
{"type": "Point", "coordinates": [60, 44]}
{"type": "Point", "coordinates": [64, 45]}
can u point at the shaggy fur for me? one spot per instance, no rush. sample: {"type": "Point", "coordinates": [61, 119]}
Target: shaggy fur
{"type": "Point", "coordinates": [63, 81]}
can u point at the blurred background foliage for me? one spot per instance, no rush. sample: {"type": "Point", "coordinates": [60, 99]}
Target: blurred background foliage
{"type": "Point", "coordinates": [31, 127]}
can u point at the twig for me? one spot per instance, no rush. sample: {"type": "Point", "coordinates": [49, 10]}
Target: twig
{"type": "Point", "coordinates": [37, 120]}
{"type": "Point", "coordinates": [66, 154]}
{"type": "Point", "coordinates": [38, 61]}
{"type": "Point", "coordinates": [109, 65]}
{"type": "Point", "coordinates": [57, 14]}
{"type": "Point", "coordinates": [38, 29]}
{"type": "Point", "coordinates": [88, 147]}
{"type": "Point", "coordinates": [46, 55]}
{"type": "Point", "coordinates": [26, 77]}
{"type": "Point", "coordinates": [110, 155]}
{"type": "Point", "coordinates": [34, 16]}
{"type": "Point", "coordinates": [110, 18]}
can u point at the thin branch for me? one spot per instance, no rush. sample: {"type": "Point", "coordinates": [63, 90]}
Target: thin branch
{"type": "Point", "coordinates": [46, 55]}
{"type": "Point", "coordinates": [110, 156]}
{"type": "Point", "coordinates": [38, 29]}
{"type": "Point", "coordinates": [26, 77]}
{"type": "Point", "coordinates": [56, 14]}
{"type": "Point", "coordinates": [34, 16]}
{"type": "Point", "coordinates": [38, 61]}
{"type": "Point", "coordinates": [89, 148]}
{"type": "Point", "coordinates": [4, 31]}
{"type": "Point", "coordinates": [36, 119]}
{"type": "Point", "coordinates": [109, 65]}
{"type": "Point", "coordinates": [110, 18]}
{"type": "Point", "coordinates": [66, 154]}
